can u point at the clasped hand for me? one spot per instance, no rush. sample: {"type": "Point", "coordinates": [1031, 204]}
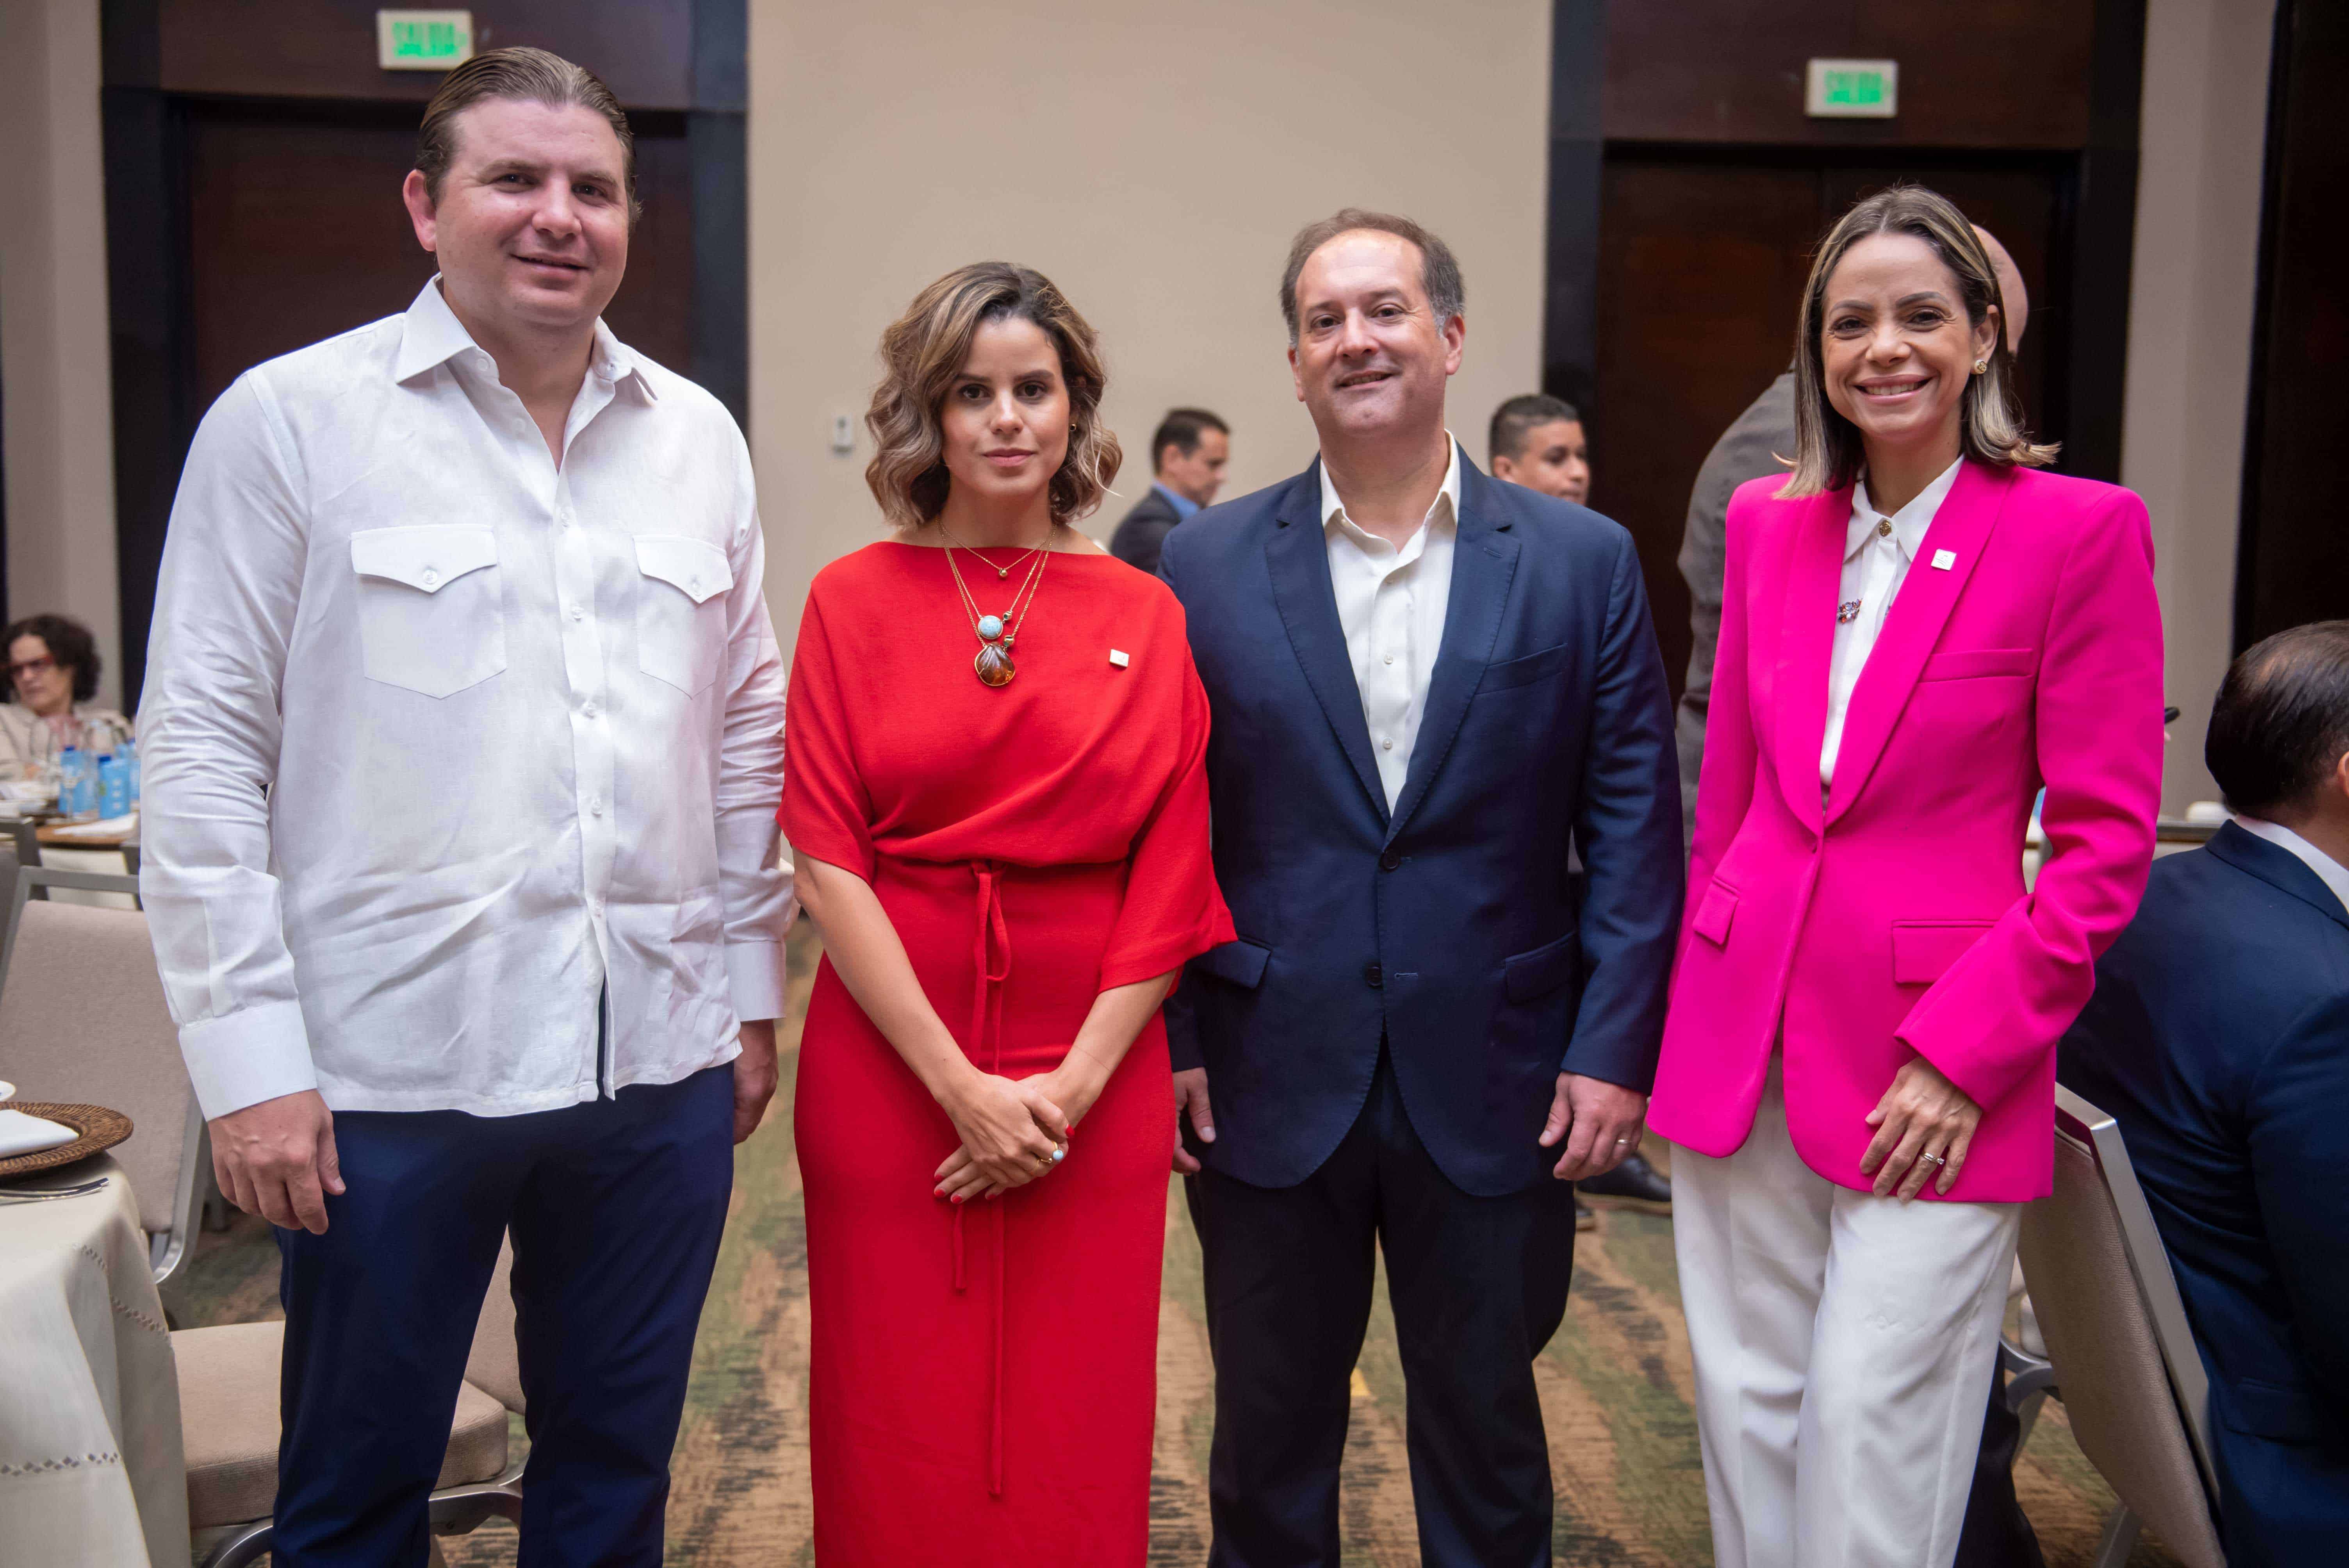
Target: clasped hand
{"type": "Point", "coordinates": [1923, 1126]}
{"type": "Point", "coordinates": [1011, 1128]}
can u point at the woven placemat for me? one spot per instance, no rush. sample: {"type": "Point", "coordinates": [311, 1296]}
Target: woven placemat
{"type": "Point", "coordinates": [100, 1129]}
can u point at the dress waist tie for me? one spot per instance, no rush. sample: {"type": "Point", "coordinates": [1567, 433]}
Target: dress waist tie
{"type": "Point", "coordinates": [990, 944]}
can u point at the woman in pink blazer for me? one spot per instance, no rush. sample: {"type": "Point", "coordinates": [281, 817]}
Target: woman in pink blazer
{"type": "Point", "coordinates": [1919, 630]}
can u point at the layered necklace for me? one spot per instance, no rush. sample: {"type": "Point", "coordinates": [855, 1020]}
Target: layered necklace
{"type": "Point", "coordinates": [997, 633]}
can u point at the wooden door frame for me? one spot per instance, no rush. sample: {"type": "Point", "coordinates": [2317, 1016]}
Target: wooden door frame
{"type": "Point", "coordinates": [149, 288]}
{"type": "Point", "coordinates": [2094, 297]}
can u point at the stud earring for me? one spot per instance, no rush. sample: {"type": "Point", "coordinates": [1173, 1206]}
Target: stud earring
{"type": "Point", "coordinates": [1980, 365]}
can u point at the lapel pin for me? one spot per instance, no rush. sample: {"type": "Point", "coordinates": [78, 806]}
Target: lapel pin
{"type": "Point", "coordinates": [1944, 559]}
{"type": "Point", "coordinates": [1118, 658]}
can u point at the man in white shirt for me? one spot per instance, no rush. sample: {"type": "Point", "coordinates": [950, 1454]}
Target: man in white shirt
{"type": "Point", "coordinates": [1427, 688]}
{"type": "Point", "coordinates": [462, 747]}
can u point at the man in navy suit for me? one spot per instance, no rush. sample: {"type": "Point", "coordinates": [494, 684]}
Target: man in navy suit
{"type": "Point", "coordinates": [2218, 1039]}
{"type": "Point", "coordinates": [1424, 685]}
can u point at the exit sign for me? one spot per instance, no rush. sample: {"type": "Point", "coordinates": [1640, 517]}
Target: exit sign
{"type": "Point", "coordinates": [423, 40]}
{"type": "Point", "coordinates": [1853, 89]}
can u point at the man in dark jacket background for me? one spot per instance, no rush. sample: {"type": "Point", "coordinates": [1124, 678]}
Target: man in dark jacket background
{"type": "Point", "coordinates": [2218, 1039]}
{"type": "Point", "coordinates": [1187, 456]}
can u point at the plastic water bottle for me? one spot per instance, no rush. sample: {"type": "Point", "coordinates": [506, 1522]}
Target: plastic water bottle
{"type": "Point", "coordinates": [129, 754]}
{"type": "Point", "coordinates": [77, 784]}
{"type": "Point", "coordinates": [113, 786]}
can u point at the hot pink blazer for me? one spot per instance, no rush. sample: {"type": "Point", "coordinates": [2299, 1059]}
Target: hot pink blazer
{"type": "Point", "coordinates": [1892, 920]}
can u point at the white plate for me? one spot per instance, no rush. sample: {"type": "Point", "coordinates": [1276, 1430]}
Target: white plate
{"type": "Point", "coordinates": [7, 1090]}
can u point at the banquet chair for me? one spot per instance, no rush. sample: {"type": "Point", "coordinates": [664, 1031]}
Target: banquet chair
{"type": "Point", "coordinates": [228, 1412]}
{"type": "Point", "coordinates": [2124, 1359]}
{"type": "Point", "coordinates": [83, 1022]}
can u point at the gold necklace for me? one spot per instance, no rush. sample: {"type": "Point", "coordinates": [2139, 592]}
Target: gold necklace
{"type": "Point", "coordinates": [997, 633]}
{"type": "Point", "coordinates": [999, 571]}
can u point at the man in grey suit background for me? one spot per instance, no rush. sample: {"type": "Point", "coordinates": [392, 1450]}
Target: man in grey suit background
{"type": "Point", "coordinates": [1187, 455]}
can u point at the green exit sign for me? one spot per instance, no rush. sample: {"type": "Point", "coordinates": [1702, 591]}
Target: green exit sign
{"type": "Point", "coordinates": [1852, 90]}
{"type": "Point", "coordinates": [423, 40]}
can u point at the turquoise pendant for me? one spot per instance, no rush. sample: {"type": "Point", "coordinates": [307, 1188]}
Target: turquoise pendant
{"type": "Point", "coordinates": [990, 628]}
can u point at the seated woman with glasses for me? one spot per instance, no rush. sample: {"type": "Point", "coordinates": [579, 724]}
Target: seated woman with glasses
{"type": "Point", "coordinates": [53, 668]}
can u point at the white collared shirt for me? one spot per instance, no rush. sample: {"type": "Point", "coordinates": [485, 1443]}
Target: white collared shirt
{"type": "Point", "coordinates": [2330, 871]}
{"type": "Point", "coordinates": [1390, 604]}
{"type": "Point", "coordinates": [1877, 550]}
{"type": "Point", "coordinates": [441, 741]}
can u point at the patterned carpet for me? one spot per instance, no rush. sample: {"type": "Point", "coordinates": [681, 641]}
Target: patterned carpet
{"type": "Point", "coordinates": [1615, 1390]}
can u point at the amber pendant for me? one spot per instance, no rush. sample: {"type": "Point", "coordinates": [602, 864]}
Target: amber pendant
{"type": "Point", "coordinates": [994, 665]}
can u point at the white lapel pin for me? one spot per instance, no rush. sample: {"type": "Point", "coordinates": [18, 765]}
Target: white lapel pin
{"type": "Point", "coordinates": [1944, 559]}
{"type": "Point", "coordinates": [1118, 658]}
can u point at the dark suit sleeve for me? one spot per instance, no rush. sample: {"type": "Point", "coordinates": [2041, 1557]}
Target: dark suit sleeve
{"type": "Point", "coordinates": [1182, 1022]}
{"type": "Point", "coordinates": [1628, 831]}
{"type": "Point", "coordinates": [2298, 1117]}
{"type": "Point", "coordinates": [1140, 536]}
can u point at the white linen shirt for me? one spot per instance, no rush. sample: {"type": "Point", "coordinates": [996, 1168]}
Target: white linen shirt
{"type": "Point", "coordinates": [440, 741]}
{"type": "Point", "coordinates": [2330, 871]}
{"type": "Point", "coordinates": [1878, 551]}
{"type": "Point", "coordinates": [1390, 605]}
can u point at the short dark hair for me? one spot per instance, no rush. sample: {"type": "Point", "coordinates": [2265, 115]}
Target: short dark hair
{"type": "Point", "coordinates": [2282, 720]}
{"type": "Point", "coordinates": [1439, 270]}
{"type": "Point", "coordinates": [521, 75]}
{"type": "Point", "coordinates": [69, 643]}
{"type": "Point", "coordinates": [1181, 430]}
{"type": "Point", "coordinates": [1514, 421]}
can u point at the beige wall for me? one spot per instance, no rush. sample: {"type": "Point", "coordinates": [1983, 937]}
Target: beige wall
{"type": "Point", "coordinates": [2190, 302]}
{"type": "Point", "coordinates": [53, 334]}
{"type": "Point", "coordinates": [1154, 160]}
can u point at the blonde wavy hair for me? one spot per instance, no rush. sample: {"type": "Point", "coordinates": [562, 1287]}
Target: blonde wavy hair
{"type": "Point", "coordinates": [922, 352]}
{"type": "Point", "coordinates": [1828, 451]}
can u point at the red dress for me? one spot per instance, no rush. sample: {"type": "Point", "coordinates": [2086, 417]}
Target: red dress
{"type": "Point", "coordinates": [984, 1378]}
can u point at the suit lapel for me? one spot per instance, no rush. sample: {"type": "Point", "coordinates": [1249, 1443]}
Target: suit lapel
{"type": "Point", "coordinates": [1298, 556]}
{"type": "Point", "coordinates": [1483, 560]}
{"type": "Point", "coordinates": [2279, 868]}
{"type": "Point", "coordinates": [1928, 595]}
{"type": "Point", "coordinates": [1806, 646]}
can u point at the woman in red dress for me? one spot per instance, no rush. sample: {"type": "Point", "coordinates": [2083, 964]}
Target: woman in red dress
{"type": "Point", "coordinates": [994, 796]}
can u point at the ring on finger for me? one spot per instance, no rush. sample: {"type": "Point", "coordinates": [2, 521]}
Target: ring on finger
{"type": "Point", "coordinates": [1938, 1160]}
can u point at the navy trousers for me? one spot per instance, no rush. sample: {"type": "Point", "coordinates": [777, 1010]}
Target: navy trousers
{"type": "Point", "coordinates": [616, 1207]}
{"type": "Point", "coordinates": [1478, 1285]}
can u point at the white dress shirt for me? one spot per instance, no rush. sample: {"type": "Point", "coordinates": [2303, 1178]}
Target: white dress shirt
{"type": "Point", "coordinates": [2330, 871]}
{"type": "Point", "coordinates": [441, 741]}
{"type": "Point", "coordinates": [1877, 550]}
{"type": "Point", "coordinates": [1390, 604]}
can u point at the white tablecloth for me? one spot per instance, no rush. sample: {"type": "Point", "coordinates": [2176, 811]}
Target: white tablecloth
{"type": "Point", "coordinates": [90, 1467]}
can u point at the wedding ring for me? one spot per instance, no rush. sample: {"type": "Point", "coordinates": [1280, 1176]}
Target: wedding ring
{"type": "Point", "coordinates": [1936, 1159]}
{"type": "Point", "coordinates": [1623, 1141]}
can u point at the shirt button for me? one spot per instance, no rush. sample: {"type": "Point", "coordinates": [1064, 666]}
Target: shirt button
{"type": "Point", "coordinates": [577, 614]}
{"type": "Point", "coordinates": [589, 709]}
{"type": "Point", "coordinates": [694, 585]}
{"type": "Point", "coordinates": [1390, 659]}
{"type": "Point", "coordinates": [594, 805]}
{"type": "Point", "coordinates": [1386, 746]}
{"type": "Point", "coordinates": [431, 578]}
{"type": "Point", "coordinates": [1883, 528]}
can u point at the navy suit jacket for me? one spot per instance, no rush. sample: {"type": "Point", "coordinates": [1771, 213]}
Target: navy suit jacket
{"type": "Point", "coordinates": [1451, 925]}
{"type": "Point", "coordinates": [2218, 1039]}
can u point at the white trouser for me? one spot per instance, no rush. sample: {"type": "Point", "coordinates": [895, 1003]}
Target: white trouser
{"type": "Point", "coordinates": [1844, 1345]}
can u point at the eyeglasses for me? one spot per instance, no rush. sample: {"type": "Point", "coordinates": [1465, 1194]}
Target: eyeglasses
{"type": "Point", "coordinates": [30, 667]}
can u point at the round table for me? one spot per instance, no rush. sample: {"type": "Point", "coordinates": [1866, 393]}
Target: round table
{"type": "Point", "coordinates": [91, 1466]}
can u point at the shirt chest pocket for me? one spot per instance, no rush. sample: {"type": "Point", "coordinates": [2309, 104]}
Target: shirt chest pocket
{"type": "Point", "coordinates": [432, 612]}
{"type": "Point", "coordinates": [681, 610]}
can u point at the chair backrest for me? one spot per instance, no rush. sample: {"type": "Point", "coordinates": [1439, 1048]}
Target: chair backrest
{"type": "Point", "coordinates": [495, 1366]}
{"type": "Point", "coordinates": [2132, 1384]}
{"type": "Point", "coordinates": [83, 1021]}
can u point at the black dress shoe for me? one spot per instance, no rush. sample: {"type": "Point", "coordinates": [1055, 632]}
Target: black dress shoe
{"type": "Point", "coordinates": [1634, 1184]}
